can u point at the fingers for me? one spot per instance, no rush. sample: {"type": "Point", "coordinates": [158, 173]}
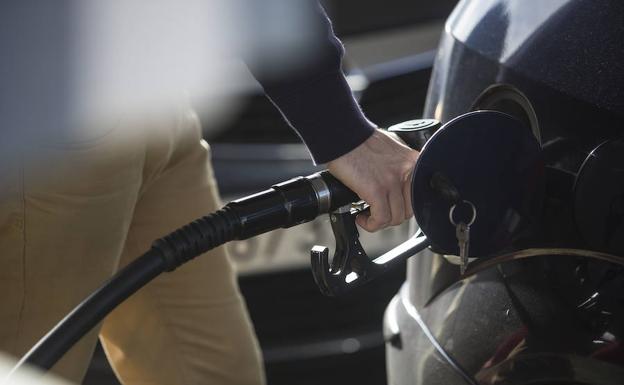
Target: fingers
{"type": "Point", "coordinates": [385, 210]}
{"type": "Point", "coordinates": [361, 221]}
{"type": "Point", "coordinates": [380, 214]}
{"type": "Point", "coordinates": [378, 171]}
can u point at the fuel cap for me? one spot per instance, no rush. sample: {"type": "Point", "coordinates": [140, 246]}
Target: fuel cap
{"type": "Point", "coordinates": [483, 161]}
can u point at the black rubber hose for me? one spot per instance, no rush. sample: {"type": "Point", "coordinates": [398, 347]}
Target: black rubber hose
{"type": "Point", "coordinates": [92, 310]}
{"type": "Point", "coordinates": [166, 254]}
{"type": "Point", "coordinates": [283, 205]}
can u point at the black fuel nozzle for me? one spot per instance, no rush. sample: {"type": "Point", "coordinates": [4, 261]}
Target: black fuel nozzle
{"type": "Point", "coordinates": [302, 199]}
{"type": "Point", "coordinates": [290, 203]}
{"type": "Point", "coordinates": [286, 204]}
{"type": "Point", "coordinates": [350, 266]}
{"type": "Point", "coordinates": [486, 159]}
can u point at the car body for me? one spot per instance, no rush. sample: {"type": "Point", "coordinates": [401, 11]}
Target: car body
{"type": "Point", "coordinates": [550, 319]}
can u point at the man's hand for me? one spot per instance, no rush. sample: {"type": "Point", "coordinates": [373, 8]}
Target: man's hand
{"type": "Point", "coordinates": [379, 171]}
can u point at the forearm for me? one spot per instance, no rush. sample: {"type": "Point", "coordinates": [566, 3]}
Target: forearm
{"type": "Point", "coordinates": [317, 101]}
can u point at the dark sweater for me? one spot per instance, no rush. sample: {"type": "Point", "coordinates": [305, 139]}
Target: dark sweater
{"type": "Point", "coordinates": [317, 102]}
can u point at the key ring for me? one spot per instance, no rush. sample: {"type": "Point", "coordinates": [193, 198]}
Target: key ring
{"type": "Point", "coordinates": [474, 213]}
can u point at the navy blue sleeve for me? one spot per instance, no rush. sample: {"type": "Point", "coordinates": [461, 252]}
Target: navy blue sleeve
{"type": "Point", "coordinates": [317, 101]}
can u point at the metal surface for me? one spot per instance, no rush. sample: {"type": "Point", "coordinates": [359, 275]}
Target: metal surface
{"type": "Point", "coordinates": [323, 195]}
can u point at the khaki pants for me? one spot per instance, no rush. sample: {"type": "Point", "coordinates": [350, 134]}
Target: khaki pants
{"type": "Point", "coordinates": [75, 215]}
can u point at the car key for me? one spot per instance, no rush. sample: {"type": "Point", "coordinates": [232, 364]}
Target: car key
{"type": "Point", "coordinates": [462, 233]}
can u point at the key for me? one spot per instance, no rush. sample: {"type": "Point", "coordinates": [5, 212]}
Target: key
{"type": "Point", "coordinates": [462, 232]}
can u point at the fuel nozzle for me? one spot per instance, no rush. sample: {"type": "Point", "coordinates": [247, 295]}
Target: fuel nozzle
{"type": "Point", "coordinates": [476, 190]}
{"type": "Point", "coordinates": [283, 205]}
{"type": "Point", "coordinates": [350, 266]}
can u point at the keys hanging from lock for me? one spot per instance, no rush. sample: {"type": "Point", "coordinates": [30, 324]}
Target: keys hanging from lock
{"type": "Point", "coordinates": [462, 233]}
{"type": "Point", "coordinates": [447, 189]}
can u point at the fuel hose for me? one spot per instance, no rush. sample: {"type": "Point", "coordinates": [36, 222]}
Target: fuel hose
{"type": "Point", "coordinates": [284, 205]}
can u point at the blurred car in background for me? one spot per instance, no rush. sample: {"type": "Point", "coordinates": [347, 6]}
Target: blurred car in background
{"type": "Point", "coordinates": [307, 338]}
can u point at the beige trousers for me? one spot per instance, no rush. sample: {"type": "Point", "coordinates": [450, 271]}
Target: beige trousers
{"type": "Point", "coordinates": [74, 216]}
